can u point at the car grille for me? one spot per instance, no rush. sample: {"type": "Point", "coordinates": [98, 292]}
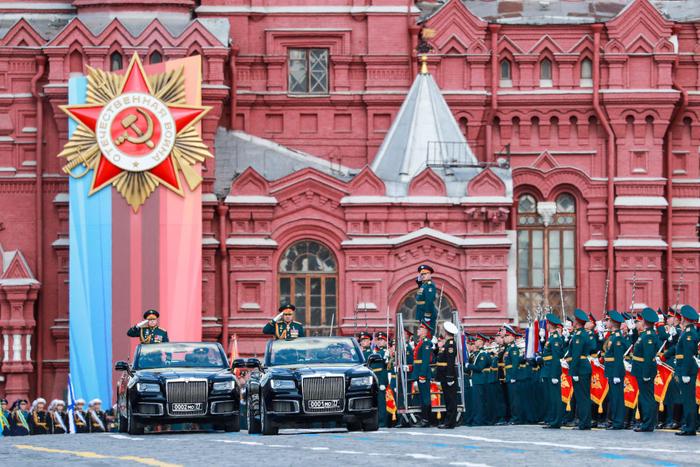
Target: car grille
{"type": "Point", "coordinates": [187, 397]}
{"type": "Point", "coordinates": [323, 394]}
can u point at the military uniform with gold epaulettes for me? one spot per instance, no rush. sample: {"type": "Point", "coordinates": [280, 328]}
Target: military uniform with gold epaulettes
{"type": "Point", "coordinates": [421, 373]}
{"type": "Point", "coordinates": [481, 368]}
{"type": "Point", "coordinates": [39, 422]}
{"type": "Point", "coordinates": [284, 331]}
{"type": "Point", "coordinates": [581, 345]}
{"type": "Point", "coordinates": [551, 375]}
{"type": "Point", "coordinates": [148, 335]}
{"type": "Point", "coordinates": [425, 305]}
{"type": "Point", "coordinates": [382, 373]}
{"type": "Point", "coordinates": [644, 370]}
{"type": "Point", "coordinates": [512, 374]}
{"type": "Point", "coordinates": [687, 371]}
{"type": "Point", "coordinates": [615, 347]}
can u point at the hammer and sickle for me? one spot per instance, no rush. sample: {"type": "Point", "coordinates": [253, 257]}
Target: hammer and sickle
{"type": "Point", "coordinates": [142, 137]}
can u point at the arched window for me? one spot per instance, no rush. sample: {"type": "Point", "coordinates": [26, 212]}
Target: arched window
{"type": "Point", "coordinates": [75, 60]}
{"type": "Point", "coordinates": [115, 61]}
{"type": "Point", "coordinates": [155, 57]}
{"type": "Point", "coordinates": [546, 73]}
{"type": "Point", "coordinates": [586, 72]}
{"type": "Point", "coordinates": [506, 73]}
{"type": "Point", "coordinates": [308, 278]}
{"type": "Point", "coordinates": [407, 308]}
{"type": "Point", "coordinates": [546, 254]}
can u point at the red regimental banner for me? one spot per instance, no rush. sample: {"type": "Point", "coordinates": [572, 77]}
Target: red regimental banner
{"type": "Point", "coordinates": [567, 388]}
{"type": "Point", "coordinates": [664, 373]}
{"type": "Point", "coordinates": [631, 391]}
{"type": "Point", "coordinates": [599, 386]}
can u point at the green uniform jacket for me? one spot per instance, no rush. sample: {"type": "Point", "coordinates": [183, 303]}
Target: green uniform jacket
{"type": "Point", "coordinates": [552, 354]}
{"type": "Point", "coordinates": [380, 368]}
{"type": "Point", "coordinates": [670, 350]}
{"type": "Point", "coordinates": [615, 348]}
{"type": "Point", "coordinates": [421, 362]}
{"type": "Point", "coordinates": [581, 345]}
{"type": "Point", "coordinates": [481, 363]}
{"type": "Point", "coordinates": [686, 349]}
{"type": "Point", "coordinates": [284, 331]}
{"type": "Point", "coordinates": [512, 360]}
{"type": "Point", "coordinates": [425, 305]}
{"type": "Point", "coordinates": [644, 355]}
{"type": "Point", "coordinates": [148, 335]}
{"type": "Point", "coordinates": [492, 376]}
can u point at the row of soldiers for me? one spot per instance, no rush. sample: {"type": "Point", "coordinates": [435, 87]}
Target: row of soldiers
{"type": "Point", "coordinates": [20, 419]}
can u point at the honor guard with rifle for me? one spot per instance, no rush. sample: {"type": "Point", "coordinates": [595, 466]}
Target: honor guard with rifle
{"type": "Point", "coordinates": [425, 299]}
{"type": "Point", "coordinates": [644, 369]}
{"type": "Point", "coordinates": [581, 345]}
{"type": "Point", "coordinates": [381, 371]}
{"type": "Point", "coordinates": [283, 326]}
{"type": "Point", "coordinates": [421, 371]}
{"type": "Point", "coordinates": [447, 374]}
{"type": "Point", "coordinates": [551, 372]}
{"type": "Point", "coordinates": [148, 330]}
{"type": "Point", "coordinates": [687, 369]}
{"type": "Point", "coordinates": [614, 353]}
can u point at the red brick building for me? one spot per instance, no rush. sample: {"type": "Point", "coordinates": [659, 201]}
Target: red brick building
{"type": "Point", "coordinates": [551, 142]}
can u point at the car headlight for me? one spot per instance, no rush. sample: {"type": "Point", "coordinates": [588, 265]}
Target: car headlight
{"type": "Point", "coordinates": [148, 387]}
{"type": "Point", "coordinates": [362, 381]}
{"type": "Point", "coordinates": [223, 385]}
{"type": "Point", "coordinates": [282, 384]}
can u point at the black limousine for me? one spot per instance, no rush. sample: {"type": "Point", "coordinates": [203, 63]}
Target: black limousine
{"type": "Point", "coordinates": [177, 382]}
{"type": "Point", "coordinates": [311, 379]}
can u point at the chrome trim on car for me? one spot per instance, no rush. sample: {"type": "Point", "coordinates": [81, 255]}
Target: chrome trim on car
{"type": "Point", "coordinates": [326, 391]}
{"type": "Point", "coordinates": [187, 391]}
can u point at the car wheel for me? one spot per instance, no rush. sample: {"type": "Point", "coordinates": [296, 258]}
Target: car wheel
{"type": "Point", "coordinates": [370, 423]}
{"type": "Point", "coordinates": [253, 424]}
{"type": "Point", "coordinates": [233, 425]}
{"type": "Point", "coordinates": [354, 426]}
{"type": "Point", "coordinates": [134, 427]}
{"type": "Point", "coordinates": [266, 425]}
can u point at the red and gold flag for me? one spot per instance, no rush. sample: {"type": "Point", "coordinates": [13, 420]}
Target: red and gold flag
{"type": "Point", "coordinates": [697, 391]}
{"type": "Point", "coordinates": [664, 373]}
{"type": "Point", "coordinates": [390, 402]}
{"type": "Point", "coordinates": [435, 392]}
{"type": "Point", "coordinates": [631, 391]}
{"type": "Point", "coordinates": [599, 385]}
{"type": "Point", "coordinates": [567, 388]}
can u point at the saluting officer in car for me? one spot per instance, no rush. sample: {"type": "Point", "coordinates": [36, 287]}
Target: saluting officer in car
{"type": "Point", "coordinates": [148, 330]}
{"type": "Point", "coordinates": [283, 325]}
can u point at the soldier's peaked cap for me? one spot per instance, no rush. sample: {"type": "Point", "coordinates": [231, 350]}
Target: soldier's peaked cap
{"type": "Point", "coordinates": [380, 335]}
{"type": "Point", "coordinates": [365, 335]}
{"type": "Point", "coordinates": [148, 313]}
{"type": "Point", "coordinates": [649, 315]}
{"type": "Point", "coordinates": [287, 306]}
{"type": "Point", "coordinates": [425, 267]}
{"type": "Point", "coordinates": [616, 316]}
{"type": "Point", "coordinates": [509, 330]}
{"type": "Point", "coordinates": [580, 315]}
{"type": "Point", "coordinates": [688, 312]}
{"type": "Point", "coordinates": [552, 318]}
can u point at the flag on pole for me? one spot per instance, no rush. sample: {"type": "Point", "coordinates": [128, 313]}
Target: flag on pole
{"type": "Point", "coordinates": [664, 373]}
{"type": "Point", "coordinates": [71, 407]}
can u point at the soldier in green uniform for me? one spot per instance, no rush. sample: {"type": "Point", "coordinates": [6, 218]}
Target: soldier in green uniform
{"type": "Point", "coordinates": [551, 372]}
{"type": "Point", "coordinates": [147, 330]}
{"type": "Point", "coordinates": [283, 325]}
{"type": "Point", "coordinates": [421, 372]}
{"type": "Point", "coordinates": [381, 371]}
{"type": "Point", "coordinates": [4, 418]}
{"type": "Point", "coordinates": [615, 347]}
{"type": "Point", "coordinates": [644, 369]}
{"type": "Point", "coordinates": [480, 369]}
{"type": "Point", "coordinates": [365, 340]}
{"type": "Point", "coordinates": [512, 358]}
{"type": "Point", "coordinates": [672, 405]}
{"type": "Point", "coordinates": [447, 374]}
{"type": "Point", "coordinates": [425, 299]}
{"type": "Point", "coordinates": [581, 345]}
{"type": "Point", "coordinates": [687, 369]}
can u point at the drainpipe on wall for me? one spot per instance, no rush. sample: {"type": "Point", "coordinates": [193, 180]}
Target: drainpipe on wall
{"type": "Point", "coordinates": [611, 164]}
{"type": "Point", "coordinates": [38, 204]}
{"type": "Point", "coordinates": [491, 111]}
{"type": "Point", "coordinates": [234, 86]}
{"type": "Point", "coordinates": [222, 211]}
{"type": "Point", "coordinates": [679, 110]}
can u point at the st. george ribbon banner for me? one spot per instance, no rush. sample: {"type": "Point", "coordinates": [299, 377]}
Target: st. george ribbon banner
{"type": "Point", "coordinates": [134, 159]}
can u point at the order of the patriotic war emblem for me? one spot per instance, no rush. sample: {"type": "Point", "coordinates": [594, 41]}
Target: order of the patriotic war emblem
{"type": "Point", "coordinates": [135, 133]}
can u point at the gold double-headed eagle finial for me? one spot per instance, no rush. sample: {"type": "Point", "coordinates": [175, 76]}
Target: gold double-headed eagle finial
{"type": "Point", "coordinates": [424, 64]}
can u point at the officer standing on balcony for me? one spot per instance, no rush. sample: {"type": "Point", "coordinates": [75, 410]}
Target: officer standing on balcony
{"type": "Point", "coordinates": [147, 330]}
{"type": "Point", "coordinates": [283, 325]}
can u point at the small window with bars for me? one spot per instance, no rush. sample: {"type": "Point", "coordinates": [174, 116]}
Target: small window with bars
{"type": "Point", "coordinates": [308, 71]}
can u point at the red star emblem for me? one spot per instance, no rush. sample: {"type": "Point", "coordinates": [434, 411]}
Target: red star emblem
{"type": "Point", "coordinates": [136, 131]}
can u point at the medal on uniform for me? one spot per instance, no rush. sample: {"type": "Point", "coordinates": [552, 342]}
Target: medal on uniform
{"type": "Point", "coordinates": [136, 133]}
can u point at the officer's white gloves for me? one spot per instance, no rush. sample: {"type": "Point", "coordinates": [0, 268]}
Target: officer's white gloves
{"type": "Point", "coordinates": [405, 368]}
{"type": "Point", "coordinates": [565, 333]}
{"type": "Point", "coordinates": [512, 381]}
{"type": "Point", "coordinates": [685, 379]}
{"type": "Point", "coordinates": [450, 383]}
{"type": "Point", "coordinates": [142, 323]}
{"type": "Point", "coordinates": [616, 381]}
{"type": "Point", "coordinates": [628, 366]}
{"type": "Point", "coordinates": [434, 340]}
{"type": "Point", "coordinates": [542, 333]}
{"type": "Point", "coordinates": [599, 326]}
{"type": "Point", "coordinates": [671, 332]}
{"type": "Point", "coordinates": [646, 379]}
{"type": "Point", "coordinates": [555, 381]}
{"type": "Point", "coordinates": [575, 378]}
{"type": "Point", "coordinates": [278, 317]}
